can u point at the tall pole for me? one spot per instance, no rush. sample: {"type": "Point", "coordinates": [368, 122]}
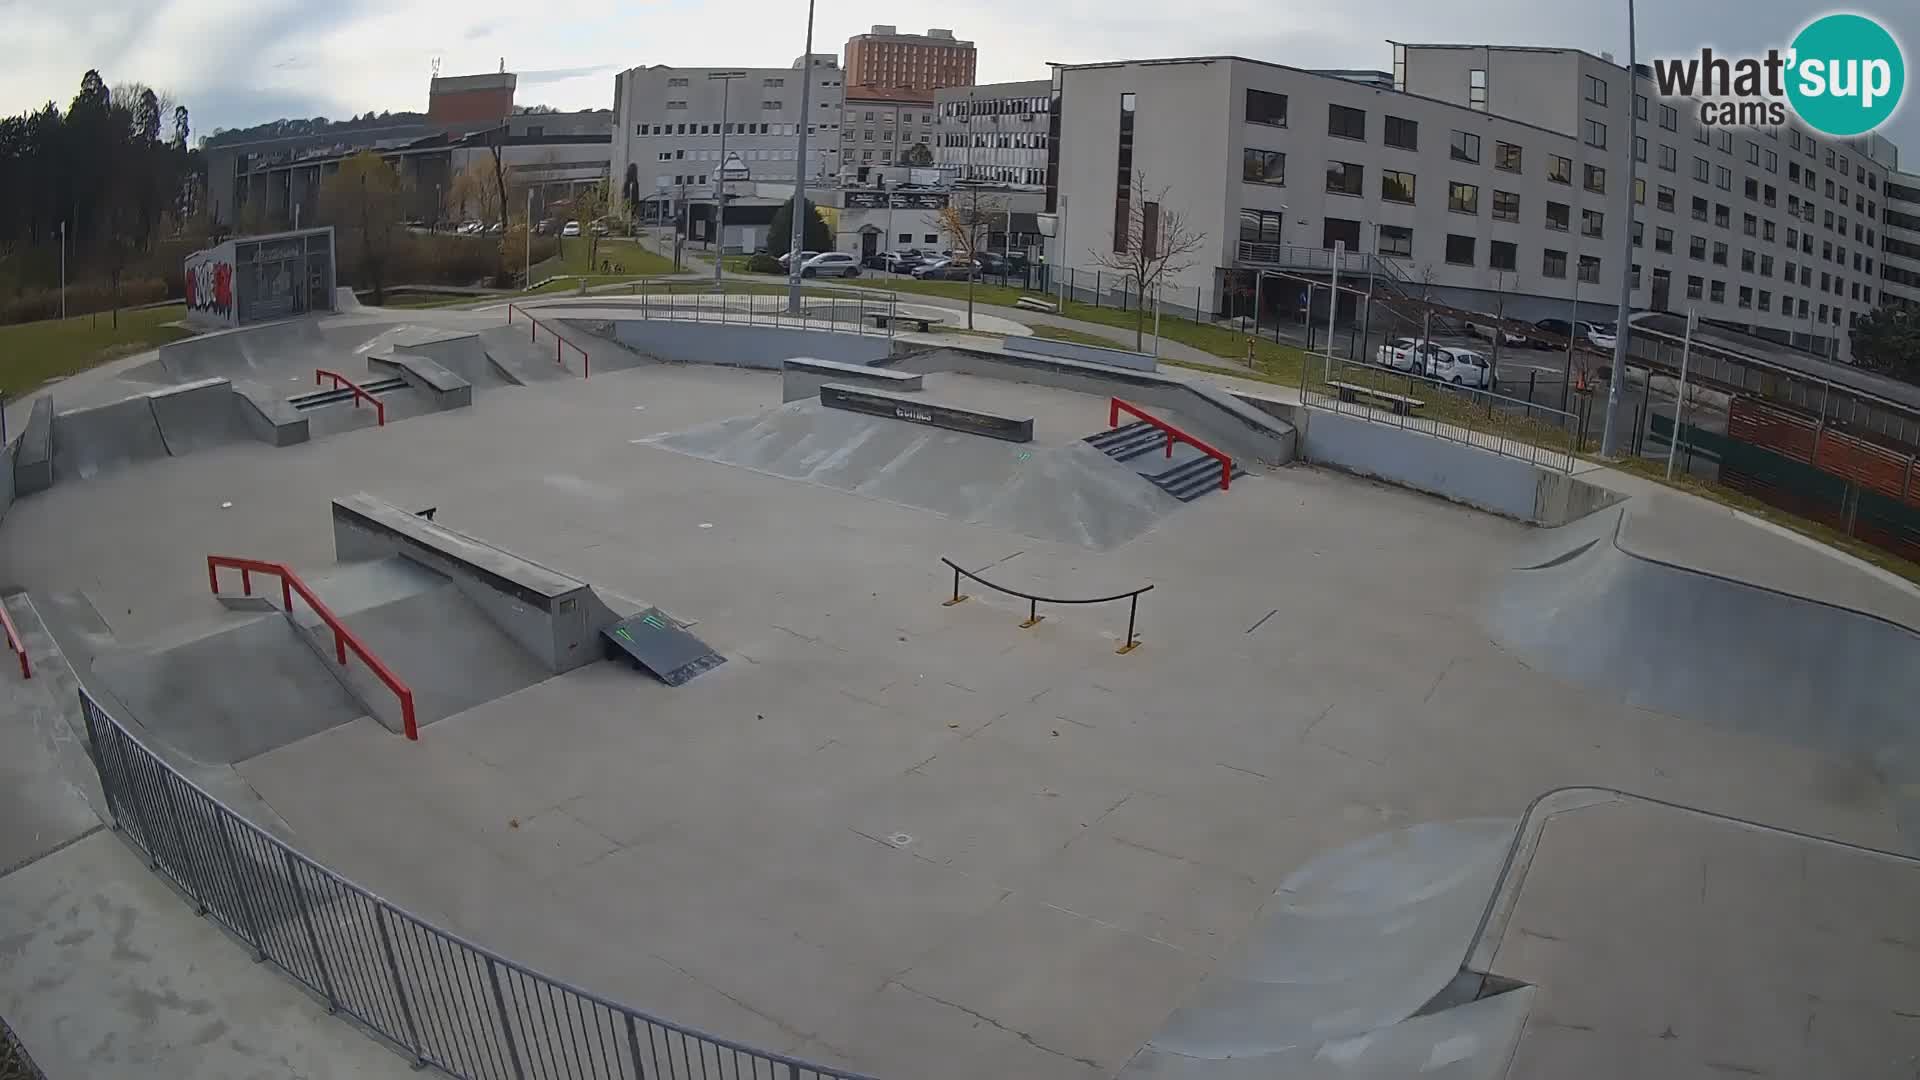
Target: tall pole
{"type": "Point", "coordinates": [1679, 402]}
{"type": "Point", "coordinates": [529, 236]}
{"type": "Point", "coordinates": [1610, 434]}
{"type": "Point", "coordinates": [1573, 335]}
{"type": "Point", "coordinates": [800, 170]}
{"type": "Point", "coordinates": [1333, 293]}
{"type": "Point", "coordinates": [63, 272]}
{"type": "Point", "coordinates": [973, 215]}
{"type": "Point", "coordinates": [725, 78]}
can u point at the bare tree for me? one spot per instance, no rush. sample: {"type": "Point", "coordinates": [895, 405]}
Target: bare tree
{"type": "Point", "coordinates": [1158, 242]}
{"type": "Point", "coordinates": [968, 220]}
{"type": "Point", "coordinates": [496, 140]}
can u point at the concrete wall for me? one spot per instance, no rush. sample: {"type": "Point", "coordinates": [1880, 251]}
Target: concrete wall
{"type": "Point", "coordinates": [442, 387]}
{"type": "Point", "coordinates": [1072, 350]}
{"type": "Point", "coordinates": [1209, 414]}
{"type": "Point", "coordinates": [744, 346]}
{"type": "Point", "coordinates": [1454, 471]}
{"type": "Point", "coordinates": [267, 416]}
{"type": "Point", "coordinates": [211, 288]}
{"type": "Point", "coordinates": [33, 458]}
{"type": "Point", "coordinates": [801, 378]}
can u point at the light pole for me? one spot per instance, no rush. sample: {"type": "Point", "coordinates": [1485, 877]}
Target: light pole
{"type": "Point", "coordinates": [725, 79]}
{"type": "Point", "coordinates": [63, 272]}
{"type": "Point", "coordinates": [529, 236]}
{"type": "Point", "coordinates": [800, 171]}
{"type": "Point", "coordinates": [1610, 434]}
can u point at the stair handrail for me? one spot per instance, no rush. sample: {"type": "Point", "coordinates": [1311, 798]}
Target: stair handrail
{"type": "Point", "coordinates": [1116, 407]}
{"type": "Point", "coordinates": [15, 643]}
{"type": "Point", "coordinates": [533, 335]}
{"type": "Point", "coordinates": [340, 381]}
{"type": "Point", "coordinates": [343, 638]}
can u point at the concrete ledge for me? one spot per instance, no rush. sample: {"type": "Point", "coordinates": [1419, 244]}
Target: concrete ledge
{"type": "Point", "coordinates": [802, 376]}
{"type": "Point", "coordinates": [1070, 350]}
{"type": "Point", "coordinates": [1210, 414]}
{"type": "Point", "coordinates": [33, 458]}
{"type": "Point", "coordinates": [740, 346]}
{"type": "Point", "coordinates": [917, 410]}
{"type": "Point", "coordinates": [442, 387]}
{"type": "Point", "coordinates": [267, 417]}
{"type": "Point", "coordinates": [196, 415]}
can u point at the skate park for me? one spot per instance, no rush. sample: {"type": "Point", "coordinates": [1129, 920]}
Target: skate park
{"type": "Point", "coordinates": [1491, 771]}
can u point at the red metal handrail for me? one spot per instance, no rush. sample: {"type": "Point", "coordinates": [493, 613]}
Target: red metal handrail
{"type": "Point", "coordinates": [340, 380]}
{"type": "Point", "coordinates": [533, 335]}
{"type": "Point", "coordinates": [14, 642]}
{"type": "Point", "coordinates": [343, 638]}
{"type": "Point", "coordinates": [1174, 434]}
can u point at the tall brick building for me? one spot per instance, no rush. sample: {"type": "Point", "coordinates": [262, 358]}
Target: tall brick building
{"type": "Point", "coordinates": [885, 57]}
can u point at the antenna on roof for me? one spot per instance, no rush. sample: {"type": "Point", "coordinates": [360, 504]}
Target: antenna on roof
{"type": "Point", "coordinates": [436, 67]}
{"type": "Point", "coordinates": [503, 65]}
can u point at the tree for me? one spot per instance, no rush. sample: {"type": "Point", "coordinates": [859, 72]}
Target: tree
{"type": "Point", "coordinates": [496, 141]}
{"type": "Point", "coordinates": [814, 234]}
{"type": "Point", "coordinates": [1157, 243]}
{"type": "Point", "coordinates": [589, 206]}
{"type": "Point", "coordinates": [917, 155]}
{"type": "Point", "coordinates": [967, 220]}
{"type": "Point", "coordinates": [630, 188]}
{"type": "Point", "coordinates": [180, 127]}
{"type": "Point", "coordinates": [366, 204]}
{"type": "Point", "coordinates": [1887, 340]}
{"type": "Point", "coordinates": [473, 193]}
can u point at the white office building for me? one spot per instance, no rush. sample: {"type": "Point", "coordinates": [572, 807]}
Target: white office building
{"type": "Point", "coordinates": [1900, 246]}
{"type": "Point", "coordinates": [995, 133]}
{"type": "Point", "coordinates": [1495, 177]}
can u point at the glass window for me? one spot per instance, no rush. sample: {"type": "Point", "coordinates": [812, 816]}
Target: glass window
{"type": "Point", "coordinates": [1663, 240]}
{"type": "Point", "coordinates": [1403, 133]}
{"type": "Point", "coordinates": [1697, 248]}
{"type": "Point", "coordinates": [1559, 169]}
{"type": "Point", "coordinates": [1592, 223]}
{"type": "Point", "coordinates": [1639, 148]}
{"type": "Point", "coordinates": [1396, 186]}
{"type": "Point", "coordinates": [1396, 240]}
{"type": "Point", "coordinates": [1724, 140]}
{"type": "Point", "coordinates": [1559, 215]}
{"type": "Point", "coordinates": [1723, 178]}
{"type": "Point", "coordinates": [1699, 208]}
{"type": "Point", "coordinates": [1466, 147]}
{"type": "Point", "coordinates": [1477, 92]}
{"type": "Point", "coordinates": [1596, 179]}
{"type": "Point", "coordinates": [1766, 300]}
{"type": "Point", "coordinates": [1639, 191]}
{"type": "Point", "coordinates": [1753, 153]}
{"type": "Point", "coordinates": [1597, 90]}
{"type": "Point", "coordinates": [1345, 178]}
{"type": "Point", "coordinates": [1702, 169]}
{"type": "Point", "coordinates": [1261, 226]}
{"type": "Point", "coordinates": [1696, 287]}
{"type": "Point", "coordinates": [1266, 108]}
{"type": "Point", "coordinates": [1663, 199]}
{"type": "Point", "coordinates": [1594, 133]}
{"type": "Point", "coordinates": [1553, 263]}
{"type": "Point", "coordinates": [1669, 157]}
{"type": "Point", "coordinates": [1506, 206]}
{"type": "Point", "coordinates": [1746, 296]}
{"type": "Point", "coordinates": [1718, 292]}
{"type": "Point", "coordinates": [1459, 249]}
{"type": "Point", "coordinates": [1773, 162]}
{"type": "Point", "coordinates": [1263, 167]}
{"type": "Point", "coordinates": [1506, 156]}
{"type": "Point", "coordinates": [1463, 198]}
{"type": "Point", "coordinates": [1639, 233]}
{"type": "Point", "coordinates": [1750, 225]}
{"type": "Point", "coordinates": [1346, 123]}
{"type": "Point", "coordinates": [1640, 106]}
{"type": "Point", "coordinates": [1746, 260]}
{"type": "Point", "coordinates": [1669, 118]}
{"type": "Point", "coordinates": [1502, 255]}
{"type": "Point", "coordinates": [1590, 269]}
{"type": "Point", "coordinates": [1722, 215]}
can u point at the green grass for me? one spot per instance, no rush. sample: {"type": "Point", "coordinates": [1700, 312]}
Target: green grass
{"type": "Point", "coordinates": [573, 260]}
{"type": "Point", "coordinates": [1080, 337]}
{"type": "Point", "coordinates": [32, 353]}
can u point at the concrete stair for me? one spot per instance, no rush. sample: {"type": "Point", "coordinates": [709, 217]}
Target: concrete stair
{"type": "Point", "coordinates": [1186, 475]}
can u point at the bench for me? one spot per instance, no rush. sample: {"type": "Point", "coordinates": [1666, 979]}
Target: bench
{"type": "Point", "coordinates": [922, 323]}
{"type": "Point", "coordinates": [1034, 303]}
{"type": "Point", "coordinates": [1399, 403]}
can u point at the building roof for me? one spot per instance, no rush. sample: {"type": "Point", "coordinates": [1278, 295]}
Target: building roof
{"type": "Point", "coordinates": [905, 95]}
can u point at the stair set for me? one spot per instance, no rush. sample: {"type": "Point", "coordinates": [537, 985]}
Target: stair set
{"type": "Point", "coordinates": [1186, 476]}
{"type": "Point", "coordinates": [344, 395]}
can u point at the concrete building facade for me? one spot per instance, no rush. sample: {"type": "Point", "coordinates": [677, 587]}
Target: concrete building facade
{"type": "Point", "coordinates": [885, 57]}
{"type": "Point", "coordinates": [996, 133]}
{"type": "Point", "coordinates": [1501, 184]}
{"type": "Point", "coordinates": [881, 125]}
{"type": "Point", "coordinates": [1900, 245]}
{"type": "Point", "coordinates": [471, 100]}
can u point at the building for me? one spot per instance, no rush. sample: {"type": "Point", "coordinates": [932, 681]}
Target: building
{"type": "Point", "coordinates": [471, 101]}
{"type": "Point", "coordinates": [995, 133]}
{"type": "Point", "coordinates": [251, 279]}
{"type": "Point", "coordinates": [885, 57]}
{"type": "Point", "coordinates": [1494, 177]}
{"type": "Point", "coordinates": [1900, 241]}
{"type": "Point", "coordinates": [880, 128]}
{"type": "Point", "coordinates": [669, 124]}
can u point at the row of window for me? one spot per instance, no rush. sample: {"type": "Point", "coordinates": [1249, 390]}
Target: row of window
{"type": "Point", "coordinates": [729, 128]}
{"type": "Point", "coordinates": [886, 116]}
{"type": "Point", "coordinates": [889, 135]}
{"type": "Point", "coordinates": [994, 106]}
{"type": "Point", "coordinates": [743, 155]}
{"type": "Point", "coordinates": [1025, 140]}
{"type": "Point", "coordinates": [769, 84]}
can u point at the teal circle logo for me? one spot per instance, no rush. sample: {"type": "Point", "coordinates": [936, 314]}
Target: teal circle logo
{"type": "Point", "coordinates": [1847, 74]}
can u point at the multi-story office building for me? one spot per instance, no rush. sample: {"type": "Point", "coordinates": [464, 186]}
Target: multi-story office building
{"type": "Point", "coordinates": [886, 57]}
{"type": "Point", "coordinates": [668, 125]}
{"type": "Point", "coordinates": [995, 133]}
{"type": "Point", "coordinates": [1900, 244]}
{"type": "Point", "coordinates": [882, 126]}
{"type": "Point", "coordinates": [1497, 175]}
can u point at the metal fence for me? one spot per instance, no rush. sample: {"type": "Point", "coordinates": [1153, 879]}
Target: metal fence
{"type": "Point", "coordinates": [1508, 426]}
{"type": "Point", "coordinates": [439, 999]}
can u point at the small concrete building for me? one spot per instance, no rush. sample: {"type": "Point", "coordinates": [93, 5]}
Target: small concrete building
{"type": "Point", "coordinates": [251, 279]}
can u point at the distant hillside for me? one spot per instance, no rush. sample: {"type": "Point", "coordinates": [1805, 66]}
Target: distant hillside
{"type": "Point", "coordinates": [319, 125]}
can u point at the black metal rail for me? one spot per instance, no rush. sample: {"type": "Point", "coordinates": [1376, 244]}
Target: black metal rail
{"type": "Point", "coordinates": [1033, 602]}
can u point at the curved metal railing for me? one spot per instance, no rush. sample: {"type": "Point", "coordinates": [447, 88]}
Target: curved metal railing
{"type": "Point", "coordinates": [435, 996]}
{"type": "Point", "coordinates": [1033, 602]}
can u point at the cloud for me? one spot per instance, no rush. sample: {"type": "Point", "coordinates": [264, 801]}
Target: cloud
{"type": "Point", "coordinates": [554, 75]}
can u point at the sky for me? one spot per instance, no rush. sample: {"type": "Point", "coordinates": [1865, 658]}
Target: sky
{"type": "Point", "coordinates": [241, 62]}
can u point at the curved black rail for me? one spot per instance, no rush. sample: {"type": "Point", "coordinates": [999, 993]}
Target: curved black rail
{"type": "Point", "coordinates": [1033, 602]}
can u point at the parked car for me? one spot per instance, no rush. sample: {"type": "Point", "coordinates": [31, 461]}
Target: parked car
{"type": "Point", "coordinates": [893, 262]}
{"type": "Point", "coordinates": [947, 270]}
{"type": "Point", "coordinates": [787, 259]}
{"type": "Point", "coordinates": [831, 264]}
{"type": "Point", "coordinates": [1600, 335]}
{"type": "Point", "coordinates": [1462, 367]}
{"type": "Point", "coordinates": [1603, 335]}
{"type": "Point", "coordinates": [1405, 354]}
{"type": "Point", "coordinates": [1508, 336]}
{"type": "Point", "coordinates": [496, 229]}
{"type": "Point", "coordinates": [571, 228]}
{"type": "Point", "coordinates": [600, 228]}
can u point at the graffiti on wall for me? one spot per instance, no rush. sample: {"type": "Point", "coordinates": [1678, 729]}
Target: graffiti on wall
{"type": "Point", "coordinates": [210, 288]}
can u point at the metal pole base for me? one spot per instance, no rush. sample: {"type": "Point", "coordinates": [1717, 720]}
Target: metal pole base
{"type": "Point", "coordinates": [960, 599]}
{"type": "Point", "coordinates": [1033, 622]}
{"type": "Point", "coordinates": [1128, 647]}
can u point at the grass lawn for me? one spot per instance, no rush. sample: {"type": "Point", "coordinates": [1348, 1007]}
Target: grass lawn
{"type": "Point", "coordinates": [31, 353]}
{"type": "Point", "coordinates": [627, 254]}
{"type": "Point", "coordinates": [1079, 337]}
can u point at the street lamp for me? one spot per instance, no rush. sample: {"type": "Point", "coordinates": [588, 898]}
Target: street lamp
{"type": "Point", "coordinates": [725, 79]}
{"type": "Point", "coordinates": [1610, 434]}
{"type": "Point", "coordinates": [795, 238]}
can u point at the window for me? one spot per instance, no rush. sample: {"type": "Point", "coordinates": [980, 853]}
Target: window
{"type": "Point", "coordinates": [1553, 263]}
{"type": "Point", "coordinates": [1266, 108]}
{"type": "Point", "coordinates": [1793, 171]}
{"type": "Point", "coordinates": [1466, 147]}
{"type": "Point", "coordinates": [1751, 189]}
{"type": "Point", "coordinates": [1722, 215]}
{"type": "Point", "coordinates": [1263, 167]}
{"type": "Point", "coordinates": [1663, 240]}
{"type": "Point", "coordinates": [1123, 168]}
{"type": "Point", "coordinates": [1346, 123]}
{"type": "Point", "coordinates": [1703, 137]}
{"type": "Point", "coordinates": [676, 82]}
{"type": "Point", "coordinates": [1396, 186]}
{"type": "Point", "coordinates": [1753, 153]}
{"type": "Point", "coordinates": [1344, 177]}
{"type": "Point", "coordinates": [1718, 292]}
{"type": "Point", "coordinates": [1463, 198]}
{"type": "Point", "coordinates": [1750, 225]}
{"type": "Point", "coordinates": [1459, 249]}
{"type": "Point", "coordinates": [1702, 169]}
{"type": "Point", "coordinates": [1766, 266]}
{"type": "Point", "coordinates": [1597, 90]}
{"type": "Point", "coordinates": [1396, 240]}
{"type": "Point", "coordinates": [1773, 162]}
{"type": "Point", "coordinates": [1699, 208]}
{"type": "Point", "coordinates": [1403, 133]}
{"type": "Point", "coordinates": [1696, 287]}
{"type": "Point", "coordinates": [1639, 191]}
{"type": "Point", "coordinates": [930, 238]}
{"type": "Point", "coordinates": [1719, 253]}
{"type": "Point", "coordinates": [1766, 300]}
{"type": "Point", "coordinates": [1634, 277]}
{"type": "Point", "coordinates": [906, 238]}
{"type": "Point", "coordinates": [1639, 234]}
{"type": "Point", "coordinates": [1669, 118]}
{"type": "Point", "coordinates": [1558, 216]}
{"type": "Point", "coordinates": [1559, 169]}
{"type": "Point", "coordinates": [1640, 106]}
{"type": "Point", "coordinates": [1503, 256]}
{"type": "Point", "coordinates": [1746, 260]}
{"type": "Point", "coordinates": [1663, 199]}
{"type": "Point", "coordinates": [1769, 196]}
{"type": "Point", "coordinates": [1592, 223]}
{"type": "Point", "coordinates": [1477, 91]}
{"type": "Point", "coordinates": [1639, 148]}
{"type": "Point", "coordinates": [1746, 296]}
{"type": "Point", "coordinates": [1669, 157]}
{"type": "Point", "coordinates": [1697, 248]}
{"type": "Point", "coordinates": [1506, 156]}
{"type": "Point", "coordinates": [1724, 139]}
{"type": "Point", "coordinates": [1594, 133]}
{"type": "Point", "coordinates": [1506, 206]}
{"type": "Point", "coordinates": [1261, 226]}
{"type": "Point", "coordinates": [1596, 179]}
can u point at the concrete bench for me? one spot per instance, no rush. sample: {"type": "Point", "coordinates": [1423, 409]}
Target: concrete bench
{"type": "Point", "coordinates": [1034, 303]}
{"type": "Point", "coordinates": [922, 323]}
{"type": "Point", "coordinates": [1399, 403]}
{"type": "Point", "coordinates": [801, 377]}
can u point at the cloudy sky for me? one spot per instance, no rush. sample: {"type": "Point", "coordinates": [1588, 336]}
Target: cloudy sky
{"type": "Point", "coordinates": [240, 62]}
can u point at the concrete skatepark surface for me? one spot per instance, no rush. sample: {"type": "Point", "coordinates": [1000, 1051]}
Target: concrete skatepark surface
{"type": "Point", "coordinates": [923, 841]}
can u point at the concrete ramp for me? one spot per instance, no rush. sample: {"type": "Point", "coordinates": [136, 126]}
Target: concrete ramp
{"type": "Point", "coordinates": [460, 352]}
{"type": "Point", "coordinates": [1069, 493]}
{"type": "Point", "coordinates": [198, 416]}
{"type": "Point", "coordinates": [269, 352]}
{"type": "Point", "coordinates": [105, 438]}
{"type": "Point", "coordinates": [517, 360]}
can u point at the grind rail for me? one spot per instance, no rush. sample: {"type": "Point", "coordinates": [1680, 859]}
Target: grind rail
{"type": "Point", "coordinates": [1174, 434]}
{"type": "Point", "coordinates": [1033, 602]}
